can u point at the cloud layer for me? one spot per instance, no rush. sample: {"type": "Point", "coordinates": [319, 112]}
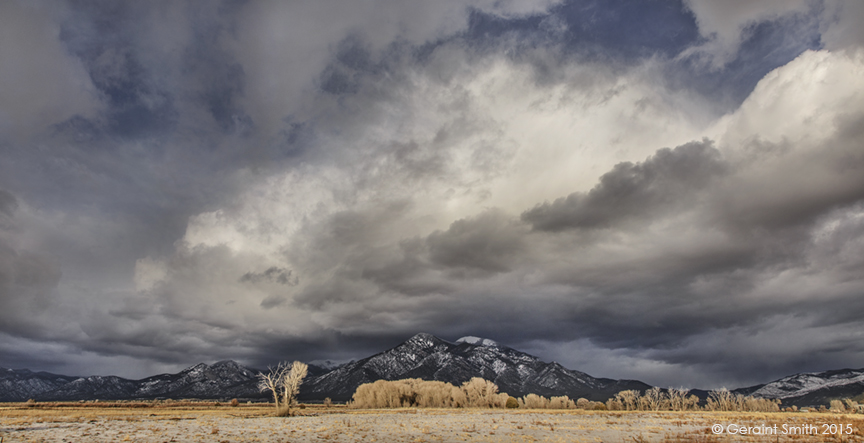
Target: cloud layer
{"type": "Point", "coordinates": [242, 181]}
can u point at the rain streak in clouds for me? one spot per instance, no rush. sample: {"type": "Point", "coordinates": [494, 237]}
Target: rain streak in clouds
{"type": "Point", "coordinates": [651, 190]}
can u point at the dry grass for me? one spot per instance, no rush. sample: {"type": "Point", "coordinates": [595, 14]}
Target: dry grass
{"type": "Point", "coordinates": [202, 421]}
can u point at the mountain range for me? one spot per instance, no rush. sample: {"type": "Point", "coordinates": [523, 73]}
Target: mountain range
{"type": "Point", "coordinates": [812, 388]}
{"type": "Point", "coordinates": [422, 356]}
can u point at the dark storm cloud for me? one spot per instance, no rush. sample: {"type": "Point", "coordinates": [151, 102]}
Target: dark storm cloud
{"type": "Point", "coordinates": [487, 243]}
{"type": "Point", "coordinates": [148, 85]}
{"type": "Point", "coordinates": [8, 205]}
{"type": "Point", "coordinates": [669, 178]}
{"type": "Point", "coordinates": [164, 143]}
{"type": "Point", "coordinates": [351, 62]}
{"type": "Point", "coordinates": [102, 36]}
{"type": "Point", "coordinates": [409, 273]}
{"type": "Point", "coordinates": [273, 274]}
{"type": "Point", "coordinates": [671, 299]}
{"type": "Point", "coordinates": [27, 279]}
{"type": "Point", "coordinates": [678, 270]}
{"type": "Point", "coordinates": [230, 181]}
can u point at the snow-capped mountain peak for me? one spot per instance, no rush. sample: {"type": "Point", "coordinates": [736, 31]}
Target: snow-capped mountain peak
{"type": "Point", "coordinates": [428, 357]}
{"type": "Point", "coordinates": [470, 339]}
{"type": "Point", "coordinates": [424, 340]}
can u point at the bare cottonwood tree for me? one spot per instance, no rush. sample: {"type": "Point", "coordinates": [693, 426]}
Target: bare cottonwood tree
{"type": "Point", "coordinates": [272, 381]}
{"type": "Point", "coordinates": [283, 380]}
{"type": "Point", "coordinates": [653, 400]}
{"type": "Point", "coordinates": [482, 393]}
{"type": "Point", "coordinates": [629, 399]}
{"type": "Point", "coordinates": [291, 381]}
{"type": "Point", "coordinates": [721, 400]}
{"type": "Point", "coordinates": [678, 399]}
{"type": "Point", "coordinates": [534, 401]}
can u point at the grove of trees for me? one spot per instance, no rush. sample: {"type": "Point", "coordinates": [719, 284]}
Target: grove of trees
{"type": "Point", "coordinates": [480, 393]}
{"type": "Point", "coordinates": [414, 392]}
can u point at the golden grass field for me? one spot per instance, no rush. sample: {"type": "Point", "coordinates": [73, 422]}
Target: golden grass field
{"type": "Point", "coordinates": [207, 422]}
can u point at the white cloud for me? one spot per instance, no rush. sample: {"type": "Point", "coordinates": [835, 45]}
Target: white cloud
{"type": "Point", "coordinates": [435, 144]}
{"type": "Point", "coordinates": [800, 103]}
{"type": "Point", "coordinates": [283, 46]}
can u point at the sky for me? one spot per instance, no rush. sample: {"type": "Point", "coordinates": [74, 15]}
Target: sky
{"type": "Point", "coordinates": [657, 190]}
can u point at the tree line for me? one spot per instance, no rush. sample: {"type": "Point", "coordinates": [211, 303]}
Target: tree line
{"type": "Point", "coordinates": [284, 383]}
{"type": "Point", "coordinates": [480, 393]}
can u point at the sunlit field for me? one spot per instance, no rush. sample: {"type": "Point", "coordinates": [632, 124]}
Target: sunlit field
{"type": "Point", "coordinates": [212, 422]}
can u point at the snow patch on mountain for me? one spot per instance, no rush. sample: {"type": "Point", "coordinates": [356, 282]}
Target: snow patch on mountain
{"type": "Point", "coordinates": [479, 341]}
{"type": "Point", "coordinates": [802, 384]}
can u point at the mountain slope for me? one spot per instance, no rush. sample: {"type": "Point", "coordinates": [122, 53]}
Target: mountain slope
{"type": "Point", "coordinates": [430, 358]}
{"type": "Point", "coordinates": [810, 389]}
{"type": "Point", "coordinates": [23, 384]}
{"type": "Point", "coordinates": [225, 379]}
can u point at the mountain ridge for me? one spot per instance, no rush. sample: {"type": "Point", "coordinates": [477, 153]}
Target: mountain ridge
{"type": "Point", "coordinates": [811, 388]}
{"type": "Point", "coordinates": [422, 356]}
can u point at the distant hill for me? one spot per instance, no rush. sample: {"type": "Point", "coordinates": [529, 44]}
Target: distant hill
{"type": "Point", "coordinates": [422, 356]}
{"type": "Point", "coordinates": [812, 388]}
{"type": "Point", "coordinates": [220, 380]}
{"type": "Point", "coordinates": [23, 384]}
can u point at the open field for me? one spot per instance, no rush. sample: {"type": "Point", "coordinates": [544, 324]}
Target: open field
{"type": "Point", "coordinates": [205, 422]}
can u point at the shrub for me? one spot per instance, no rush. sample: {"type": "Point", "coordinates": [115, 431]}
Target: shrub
{"type": "Point", "coordinates": [534, 401]}
{"type": "Point", "coordinates": [328, 403]}
{"type": "Point", "coordinates": [235, 403]}
{"type": "Point", "coordinates": [482, 393]}
{"type": "Point", "coordinates": [562, 402]}
{"type": "Point", "coordinates": [582, 403]}
{"type": "Point", "coordinates": [512, 403]}
{"type": "Point", "coordinates": [613, 405]}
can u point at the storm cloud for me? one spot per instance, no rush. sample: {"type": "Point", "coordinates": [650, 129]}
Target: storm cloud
{"type": "Point", "coordinates": [677, 199]}
{"type": "Point", "coordinates": [669, 178]}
